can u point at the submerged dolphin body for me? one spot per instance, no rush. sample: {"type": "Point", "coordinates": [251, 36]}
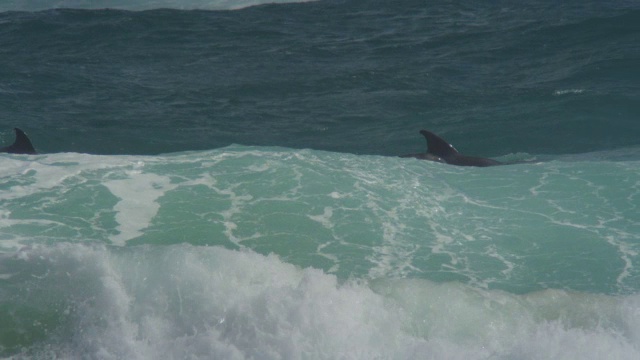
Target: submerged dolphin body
{"type": "Point", "coordinates": [22, 144]}
{"type": "Point", "coordinates": [441, 151]}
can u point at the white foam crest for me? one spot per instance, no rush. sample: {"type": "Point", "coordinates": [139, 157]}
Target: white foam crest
{"type": "Point", "coordinates": [202, 303]}
{"type": "Point", "coordinates": [136, 5]}
{"type": "Point", "coordinates": [550, 324]}
{"type": "Point", "coordinates": [568, 91]}
{"type": "Point", "coordinates": [183, 301]}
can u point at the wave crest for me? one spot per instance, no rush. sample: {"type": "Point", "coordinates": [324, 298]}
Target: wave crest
{"type": "Point", "coordinates": [140, 5]}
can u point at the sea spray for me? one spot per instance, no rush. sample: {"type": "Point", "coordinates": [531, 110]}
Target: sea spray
{"type": "Point", "coordinates": [142, 302]}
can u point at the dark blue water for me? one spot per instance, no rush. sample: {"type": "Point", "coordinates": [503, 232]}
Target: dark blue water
{"type": "Point", "coordinates": [210, 185]}
{"type": "Point", "coordinates": [360, 77]}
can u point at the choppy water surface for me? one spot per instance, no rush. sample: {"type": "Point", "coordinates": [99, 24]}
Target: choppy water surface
{"type": "Point", "coordinates": [221, 180]}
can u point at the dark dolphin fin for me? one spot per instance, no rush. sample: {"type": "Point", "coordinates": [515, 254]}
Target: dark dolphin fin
{"type": "Point", "coordinates": [22, 145]}
{"type": "Point", "coordinates": [437, 146]}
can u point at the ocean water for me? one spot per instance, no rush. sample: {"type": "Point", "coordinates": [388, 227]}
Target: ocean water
{"type": "Point", "coordinates": [220, 180]}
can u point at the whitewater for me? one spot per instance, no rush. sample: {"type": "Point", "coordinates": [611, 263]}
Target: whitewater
{"type": "Point", "coordinates": [275, 253]}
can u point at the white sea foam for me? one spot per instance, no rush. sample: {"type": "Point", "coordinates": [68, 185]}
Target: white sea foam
{"type": "Point", "coordinates": [137, 203]}
{"type": "Point", "coordinates": [568, 91]}
{"type": "Point", "coordinates": [183, 301]}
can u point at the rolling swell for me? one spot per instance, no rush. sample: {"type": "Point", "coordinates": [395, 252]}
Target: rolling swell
{"type": "Point", "coordinates": [354, 216]}
{"type": "Point", "coordinates": [359, 77]}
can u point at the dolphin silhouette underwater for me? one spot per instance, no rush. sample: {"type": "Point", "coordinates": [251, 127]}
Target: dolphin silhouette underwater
{"type": "Point", "coordinates": [441, 151]}
{"type": "Point", "coordinates": [22, 144]}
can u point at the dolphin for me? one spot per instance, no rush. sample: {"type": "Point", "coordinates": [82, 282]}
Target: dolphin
{"type": "Point", "coordinates": [22, 145]}
{"type": "Point", "coordinates": [441, 151]}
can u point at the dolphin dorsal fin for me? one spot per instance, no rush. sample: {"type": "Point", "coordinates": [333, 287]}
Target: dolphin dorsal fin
{"type": "Point", "coordinates": [437, 146]}
{"type": "Point", "coordinates": [22, 145]}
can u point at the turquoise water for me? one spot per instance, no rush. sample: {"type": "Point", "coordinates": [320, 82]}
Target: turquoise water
{"type": "Point", "coordinates": [223, 182]}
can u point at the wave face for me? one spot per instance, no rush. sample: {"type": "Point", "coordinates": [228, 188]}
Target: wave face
{"type": "Point", "coordinates": [244, 251]}
{"type": "Point", "coordinates": [221, 180]}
